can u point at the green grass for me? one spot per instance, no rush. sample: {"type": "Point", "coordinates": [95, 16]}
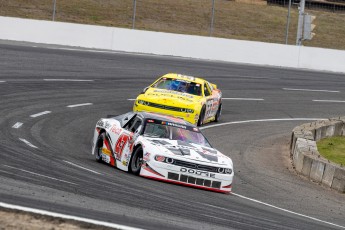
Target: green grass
{"type": "Point", "coordinates": [333, 149]}
{"type": "Point", "coordinates": [256, 21]}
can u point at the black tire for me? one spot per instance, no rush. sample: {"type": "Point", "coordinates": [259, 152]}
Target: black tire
{"type": "Point", "coordinates": [99, 146]}
{"type": "Point", "coordinates": [136, 161]}
{"type": "Point", "coordinates": [219, 113]}
{"type": "Point", "coordinates": [201, 116]}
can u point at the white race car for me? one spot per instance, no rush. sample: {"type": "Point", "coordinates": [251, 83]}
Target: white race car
{"type": "Point", "coordinates": [162, 148]}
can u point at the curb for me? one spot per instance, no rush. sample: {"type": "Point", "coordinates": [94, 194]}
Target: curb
{"type": "Point", "coordinates": [306, 158]}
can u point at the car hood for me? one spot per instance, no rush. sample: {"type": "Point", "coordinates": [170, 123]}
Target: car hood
{"type": "Point", "coordinates": [183, 150]}
{"type": "Point", "coordinates": [165, 96]}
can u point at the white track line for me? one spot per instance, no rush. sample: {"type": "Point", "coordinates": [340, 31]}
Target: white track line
{"type": "Point", "coordinates": [40, 114]}
{"type": "Point", "coordinates": [131, 99]}
{"type": "Point", "coordinates": [28, 143]}
{"type": "Point", "coordinates": [82, 167]}
{"type": "Point", "coordinates": [312, 90]}
{"type": "Point", "coordinates": [285, 210]}
{"type": "Point", "coordinates": [262, 120]}
{"type": "Point", "coordinates": [77, 80]}
{"type": "Point", "coordinates": [331, 101]}
{"type": "Point", "coordinates": [243, 99]}
{"type": "Point", "coordinates": [37, 174]}
{"type": "Point", "coordinates": [78, 105]}
{"type": "Point", "coordinates": [2, 81]}
{"type": "Point", "coordinates": [17, 125]}
{"type": "Point", "coordinates": [69, 217]}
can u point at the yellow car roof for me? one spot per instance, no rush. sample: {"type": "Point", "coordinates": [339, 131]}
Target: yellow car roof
{"type": "Point", "coordinates": [185, 77]}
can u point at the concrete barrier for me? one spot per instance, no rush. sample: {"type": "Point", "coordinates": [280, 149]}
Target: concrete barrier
{"type": "Point", "coordinates": [199, 47]}
{"type": "Point", "coordinates": [306, 158]}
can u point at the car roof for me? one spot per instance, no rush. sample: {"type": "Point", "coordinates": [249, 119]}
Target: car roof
{"type": "Point", "coordinates": [185, 77]}
{"type": "Point", "coordinates": [162, 117]}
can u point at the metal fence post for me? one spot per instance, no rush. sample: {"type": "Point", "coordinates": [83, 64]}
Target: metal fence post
{"type": "Point", "coordinates": [134, 13]}
{"type": "Point", "coordinates": [212, 17]}
{"type": "Point", "coordinates": [54, 9]}
{"type": "Point", "coordinates": [300, 23]}
{"type": "Point", "coordinates": [288, 24]}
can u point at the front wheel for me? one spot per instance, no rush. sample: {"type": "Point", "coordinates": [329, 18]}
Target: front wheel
{"type": "Point", "coordinates": [136, 161]}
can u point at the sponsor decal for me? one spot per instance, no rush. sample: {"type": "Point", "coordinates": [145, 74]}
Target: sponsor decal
{"type": "Point", "coordinates": [164, 92]}
{"type": "Point", "coordinates": [124, 163]}
{"type": "Point", "coordinates": [106, 151]}
{"type": "Point", "coordinates": [105, 158]}
{"type": "Point", "coordinates": [120, 145]}
{"type": "Point", "coordinates": [146, 157]}
{"type": "Point", "coordinates": [115, 129]}
{"type": "Point", "coordinates": [198, 172]}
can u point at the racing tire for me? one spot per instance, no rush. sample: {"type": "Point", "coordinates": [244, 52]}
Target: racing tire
{"type": "Point", "coordinates": [219, 113]}
{"type": "Point", "coordinates": [201, 116]}
{"type": "Point", "coordinates": [99, 146]}
{"type": "Point", "coordinates": [136, 161]}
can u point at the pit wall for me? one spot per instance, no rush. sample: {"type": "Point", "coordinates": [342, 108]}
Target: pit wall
{"type": "Point", "coordinates": [306, 158]}
{"type": "Point", "coordinates": [148, 42]}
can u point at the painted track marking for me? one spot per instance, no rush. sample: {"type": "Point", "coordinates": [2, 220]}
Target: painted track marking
{"type": "Point", "coordinates": [78, 105]}
{"type": "Point", "coordinates": [288, 211]}
{"type": "Point", "coordinates": [131, 99]}
{"type": "Point", "coordinates": [37, 174]}
{"type": "Point", "coordinates": [28, 143]}
{"type": "Point", "coordinates": [243, 99]}
{"type": "Point", "coordinates": [17, 125]}
{"type": "Point", "coordinates": [69, 217]}
{"type": "Point", "coordinates": [263, 203]}
{"type": "Point", "coordinates": [76, 80]}
{"type": "Point", "coordinates": [78, 166]}
{"type": "Point", "coordinates": [330, 101]}
{"type": "Point", "coordinates": [261, 120]}
{"type": "Point", "coordinates": [312, 90]}
{"type": "Point", "coordinates": [40, 114]}
{"type": "Point", "coordinates": [2, 81]}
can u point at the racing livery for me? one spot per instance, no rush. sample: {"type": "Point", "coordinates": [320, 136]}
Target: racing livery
{"type": "Point", "coordinates": [162, 148]}
{"type": "Point", "coordinates": [192, 99]}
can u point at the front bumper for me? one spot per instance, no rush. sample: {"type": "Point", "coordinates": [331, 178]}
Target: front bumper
{"type": "Point", "coordinates": [190, 117]}
{"type": "Point", "coordinates": [188, 177]}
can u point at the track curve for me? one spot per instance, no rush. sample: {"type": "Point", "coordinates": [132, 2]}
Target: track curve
{"type": "Point", "coordinates": [46, 162]}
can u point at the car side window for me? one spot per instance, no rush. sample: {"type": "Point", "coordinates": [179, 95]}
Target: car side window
{"type": "Point", "coordinates": [206, 91]}
{"type": "Point", "coordinates": [135, 125]}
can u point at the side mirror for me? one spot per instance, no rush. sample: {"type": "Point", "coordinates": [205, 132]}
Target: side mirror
{"type": "Point", "coordinates": [144, 90]}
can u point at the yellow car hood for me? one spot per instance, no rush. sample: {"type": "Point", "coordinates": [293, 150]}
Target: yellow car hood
{"type": "Point", "coordinates": [163, 96]}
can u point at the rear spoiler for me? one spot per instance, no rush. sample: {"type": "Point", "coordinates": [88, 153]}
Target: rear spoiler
{"type": "Point", "coordinates": [214, 86]}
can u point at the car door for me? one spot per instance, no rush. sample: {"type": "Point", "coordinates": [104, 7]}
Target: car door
{"type": "Point", "coordinates": [209, 101]}
{"type": "Point", "coordinates": [124, 144]}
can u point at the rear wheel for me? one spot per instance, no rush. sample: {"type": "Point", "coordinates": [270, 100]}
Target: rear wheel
{"type": "Point", "coordinates": [99, 146]}
{"type": "Point", "coordinates": [201, 116]}
{"type": "Point", "coordinates": [136, 161]}
{"type": "Point", "coordinates": [219, 113]}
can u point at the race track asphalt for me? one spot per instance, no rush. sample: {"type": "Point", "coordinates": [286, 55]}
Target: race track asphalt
{"type": "Point", "coordinates": [47, 164]}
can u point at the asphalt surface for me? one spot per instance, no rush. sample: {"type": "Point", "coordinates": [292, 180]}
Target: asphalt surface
{"type": "Point", "coordinates": [55, 171]}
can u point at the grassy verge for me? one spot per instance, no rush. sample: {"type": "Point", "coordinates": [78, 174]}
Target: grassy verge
{"type": "Point", "coordinates": [237, 20]}
{"type": "Point", "coordinates": [333, 149]}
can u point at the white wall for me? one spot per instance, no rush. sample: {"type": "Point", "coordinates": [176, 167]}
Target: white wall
{"type": "Point", "coordinates": [137, 41]}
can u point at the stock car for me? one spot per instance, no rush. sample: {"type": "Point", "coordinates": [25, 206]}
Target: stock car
{"type": "Point", "coordinates": [192, 99]}
{"type": "Point", "coordinates": [163, 148]}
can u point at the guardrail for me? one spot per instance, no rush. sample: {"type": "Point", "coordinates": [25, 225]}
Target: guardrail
{"type": "Point", "coordinates": [148, 42]}
{"type": "Point", "coordinates": [306, 158]}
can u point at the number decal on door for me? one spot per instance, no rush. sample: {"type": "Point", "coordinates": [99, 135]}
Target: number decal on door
{"type": "Point", "coordinates": [120, 145]}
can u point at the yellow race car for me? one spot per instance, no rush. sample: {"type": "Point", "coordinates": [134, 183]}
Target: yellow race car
{"type": "Point", "coordinates": [192, 99]}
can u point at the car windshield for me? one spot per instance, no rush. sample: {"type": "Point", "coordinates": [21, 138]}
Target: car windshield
{"type": "Point", "coordinates": [178, 85]}
{"type": "Point", "coordinates": [173, 132]}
